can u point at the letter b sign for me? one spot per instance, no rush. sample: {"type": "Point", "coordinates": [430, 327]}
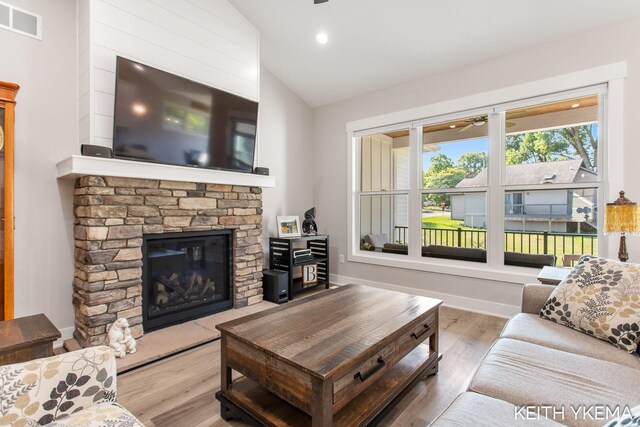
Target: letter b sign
{"type": "Point", "coordinates": [310, 274]}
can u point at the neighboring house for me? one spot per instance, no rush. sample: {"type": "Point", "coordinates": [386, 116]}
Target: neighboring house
{"type": "Point", "coordinates": [555, 210]}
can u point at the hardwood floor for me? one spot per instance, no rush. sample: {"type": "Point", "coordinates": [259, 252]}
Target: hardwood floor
{"type": "Point", "coordinates": [179, 391]}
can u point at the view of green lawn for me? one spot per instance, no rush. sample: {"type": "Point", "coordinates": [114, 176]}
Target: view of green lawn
{"type": "Point", "coordinates": [530, 243]}
{"type": "Point", "coordinates": [557, 244]}
{"type": "Point", "coordinates": [440, 224]}
{"type": "Point", "coordinates": [443, 221]}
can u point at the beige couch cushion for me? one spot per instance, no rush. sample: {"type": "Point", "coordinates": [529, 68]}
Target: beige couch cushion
{"type": "Point", "coordinates": [524, 374]}
{"type": "Point", "coordinates": [473, 409]}
{"type": "Point", "coordinates": [531, 328]}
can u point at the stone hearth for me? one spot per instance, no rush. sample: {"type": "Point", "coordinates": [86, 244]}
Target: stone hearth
{"type": "Point", "coordinates": [111, 216]}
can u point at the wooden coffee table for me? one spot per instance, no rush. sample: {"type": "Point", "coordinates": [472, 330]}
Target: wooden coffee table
{"type": "Point", "coordinates": [336, 358]}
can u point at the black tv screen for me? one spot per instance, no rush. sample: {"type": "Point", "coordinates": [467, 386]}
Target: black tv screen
{"type": "Point", "coordinates": [160, 117]}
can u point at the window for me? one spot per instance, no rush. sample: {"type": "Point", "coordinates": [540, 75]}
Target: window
{"type": "Point", "coordinates": [383, 192]}
{"type": "Point", "coordinates": [551, 167]}
{"type": "Point", "coordinates": [454, 185]}
{"type": "Point", "coordinates": [519, 180]}
{"type": "Point", "coordinates": [513, 203]}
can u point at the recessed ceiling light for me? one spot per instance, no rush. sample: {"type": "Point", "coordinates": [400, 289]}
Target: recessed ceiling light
{"type": "Point", "coordinates": [322, 38]}
{"type": "Point", "coordinates": [452, 126]}
{"type": "Point", "coordinates": [576, 105]}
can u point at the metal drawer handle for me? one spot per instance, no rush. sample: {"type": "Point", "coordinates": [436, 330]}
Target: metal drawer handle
{"type": "Point", "coordinates": [363, 378]}
{"type": "Point", "coordinates": [426, 329]}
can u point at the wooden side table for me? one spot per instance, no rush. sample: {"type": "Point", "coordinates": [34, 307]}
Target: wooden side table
{"type": "Point", "coordinates": [553, 275]}
{"type": "Point", "coordinates": [26, 338]}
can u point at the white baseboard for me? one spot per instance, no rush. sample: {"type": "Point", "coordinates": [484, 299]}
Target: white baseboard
{"type": "Point", "coordinates": [453, 301]}
{"type": "Point", "coordinates": [66, 334]}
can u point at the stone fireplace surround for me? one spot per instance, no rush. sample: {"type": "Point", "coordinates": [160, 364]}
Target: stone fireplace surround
{"type": "Point", "coordinates": [111, 216]}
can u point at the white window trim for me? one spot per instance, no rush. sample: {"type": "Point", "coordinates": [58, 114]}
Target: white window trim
{"type": "Point", "coordinates": [612, 75]}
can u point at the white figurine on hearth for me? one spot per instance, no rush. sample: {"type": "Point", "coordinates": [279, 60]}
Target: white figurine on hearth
{"type": "Point", "coordinates": [120, 339]}
{"type": "Point", "coordinates": [129, 341]}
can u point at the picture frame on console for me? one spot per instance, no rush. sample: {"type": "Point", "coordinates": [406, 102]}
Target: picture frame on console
{"type": "Point", "coordinates": [288, 226]}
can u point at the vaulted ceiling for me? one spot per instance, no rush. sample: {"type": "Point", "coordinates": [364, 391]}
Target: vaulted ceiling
{"type": "Point", "coordinates": [374, 44]}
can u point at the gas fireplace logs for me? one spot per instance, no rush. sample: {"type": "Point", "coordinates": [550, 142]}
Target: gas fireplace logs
{"type": "Point", "coordinates": [174, 290]}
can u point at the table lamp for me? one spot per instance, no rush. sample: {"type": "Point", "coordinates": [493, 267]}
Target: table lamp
{"type": "Point", "coordinates": [622, 216]}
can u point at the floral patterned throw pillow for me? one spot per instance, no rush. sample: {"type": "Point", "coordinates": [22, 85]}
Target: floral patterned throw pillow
{"type": "Point", "coordinates": [600, 297]}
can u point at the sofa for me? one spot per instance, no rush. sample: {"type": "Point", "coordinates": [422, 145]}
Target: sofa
{"type": "Point", "coordinates": [541, 373]}
{"type": "Point", "coordinates": [73, 389]}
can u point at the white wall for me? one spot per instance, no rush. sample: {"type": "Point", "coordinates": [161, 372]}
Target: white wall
{"type": "Point", "coordinates": [551, 197]}
{"type": "Point", "coordinates": [475, 209]}
{"type": "Point", "coordinates": [202, 40]}
{"type": "Point", "coordinates": [457, 206]}
{"type": "Point", "coordinates": [595, 48]}
{"type": "Point", "coordinates": [285, 146]}
{"type": "Point", "coordinates": [46, 131]}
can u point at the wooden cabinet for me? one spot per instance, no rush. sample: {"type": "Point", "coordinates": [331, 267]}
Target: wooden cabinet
{"type": "Point", "coordinates": [281, 251]}
{"type": "Point", "coordinates": [26, 339]}
{"type": "Point", "coordinates": [8, 93]}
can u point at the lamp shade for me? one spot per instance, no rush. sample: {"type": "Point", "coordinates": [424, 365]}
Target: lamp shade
{"type": "Point", "coordinates": [622, 216]}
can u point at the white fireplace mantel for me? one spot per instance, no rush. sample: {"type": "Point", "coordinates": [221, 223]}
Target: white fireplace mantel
{"type": "Point", "coordinates": [77, 166]}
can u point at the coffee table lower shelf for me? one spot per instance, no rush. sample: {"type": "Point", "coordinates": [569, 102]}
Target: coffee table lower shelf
{"type": "Point", "coordinates": [256, 405]}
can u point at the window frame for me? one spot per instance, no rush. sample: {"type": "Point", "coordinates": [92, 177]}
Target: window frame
{"type": "Point", "coordinates": [564, 86]}
{"type": "Point", "coordinates": [359, 193]}
{"type": "Point", "coordinates": [598, 89]}
{"type": "Point", "coordinates": [483, 111]}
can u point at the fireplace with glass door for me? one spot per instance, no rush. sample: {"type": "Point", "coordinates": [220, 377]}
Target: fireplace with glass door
{"type": "Point", "coordinates": [185, 276]}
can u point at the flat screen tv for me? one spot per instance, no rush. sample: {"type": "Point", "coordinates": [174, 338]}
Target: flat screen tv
{"type": "Point", "coordinates": [163, 118]}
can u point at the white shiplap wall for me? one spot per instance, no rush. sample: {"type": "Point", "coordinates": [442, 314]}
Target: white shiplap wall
{"type": "Point", "coordinates": [207, 41]}
{"type": "Point", "coordinates": [84, 70]}
{"type": "Point", "coordinates": [376, 175]}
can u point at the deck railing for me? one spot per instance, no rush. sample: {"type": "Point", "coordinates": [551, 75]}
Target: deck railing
{"type": "Point", "coordinates": [528, 242]}
{"type": "Point", "coordinates": [550, 243]}
{"type": "Point", "coordinates": [537, 210]}
{"type": "Point", "coordinates": [445, 236]}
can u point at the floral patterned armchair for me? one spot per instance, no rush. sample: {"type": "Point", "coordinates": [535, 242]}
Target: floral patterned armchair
{"type": "Point", "coordinates": [72, 389]}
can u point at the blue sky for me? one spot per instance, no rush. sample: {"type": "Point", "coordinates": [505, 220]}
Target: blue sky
{"type": "Point", "coordinates": [456, 149]}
